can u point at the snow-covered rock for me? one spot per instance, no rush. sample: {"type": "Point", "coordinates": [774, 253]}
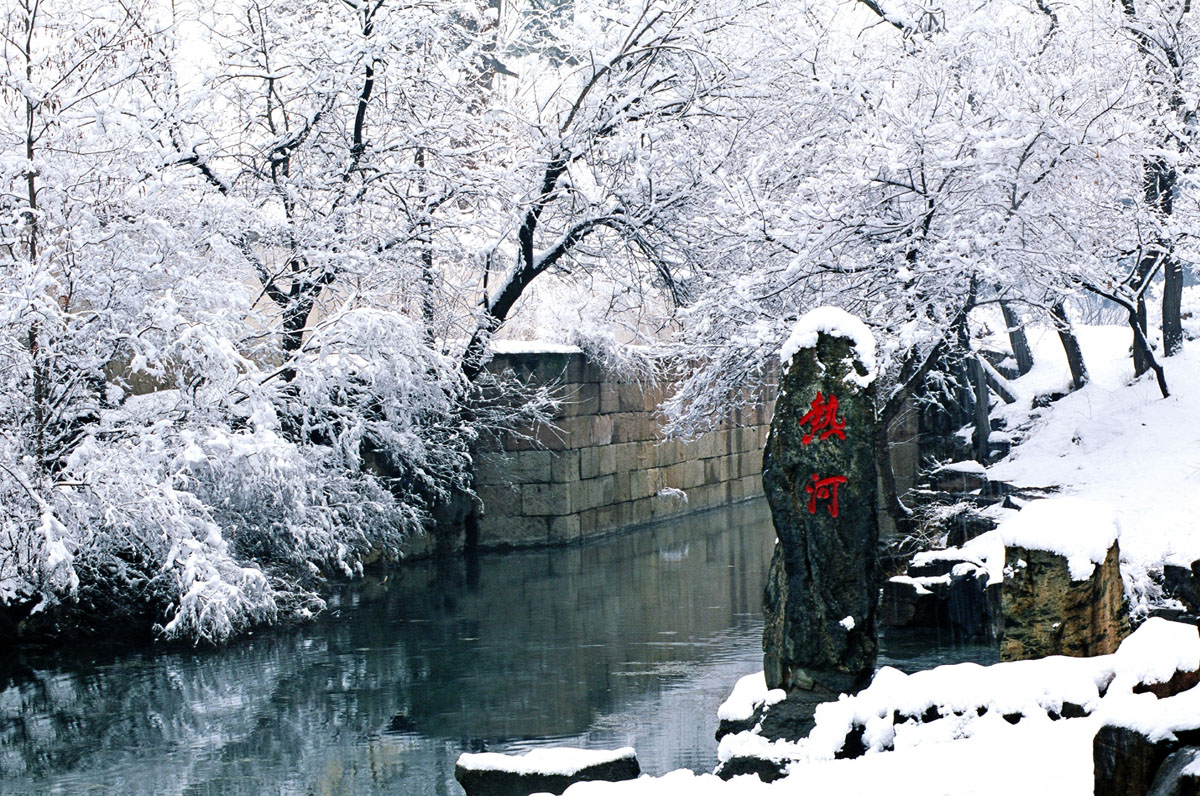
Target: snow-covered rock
{"type": "Point", "coordinates": [1080, 530]}
{"type": "Point", "coordinates": [542, 770]}
{"type": "Point", "coordinates": [1063, 593]}
{"type": "Point", "coordinates": [836, 322]}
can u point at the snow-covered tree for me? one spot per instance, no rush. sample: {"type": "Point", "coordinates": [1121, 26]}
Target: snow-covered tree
{"type": "Point", "coordinates": [216, 392]}
{"type": "Point", "coordinates": [910, 167]}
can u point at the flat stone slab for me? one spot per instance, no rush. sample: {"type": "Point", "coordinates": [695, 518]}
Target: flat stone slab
{"type": "Point", "coordinates": [550, 770]}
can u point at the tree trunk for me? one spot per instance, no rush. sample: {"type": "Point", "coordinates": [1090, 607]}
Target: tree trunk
{"type": "Point", "coordinates": [982, 422]}
{"type": "Point", "coordinates": [914, 378]}
{"type": "Point", "coordinates": [1172, 324]}
{"type": "Point", "coordinates": [41, 394]}
{"type": "Point", "coordinates": [496, 308]}
{"type": "Point", "coordinates": [1140, 341]}
{"type": "Point", "coordinates": [1137, 324]}
{"type": "Point", "coordinates": [1062, 324]}
{"type": "Point", "coordinates": [1160, 180]}
{"type": "Point", "coordinates": [425, 240]}
{"type": "Point", "coordinates": [291, 337]}
{"type": "Point", "coordinates": [1141, 349]}
{"type": "Point", "coordinates": [1017, 338]}
{"type": "Point", "coordinates": [889, 495]}
{"type": "Point", "coordinates": [997, 383]}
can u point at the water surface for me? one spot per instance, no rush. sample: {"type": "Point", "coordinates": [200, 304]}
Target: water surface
{"type": "Point", "coordinates": [633, 640]}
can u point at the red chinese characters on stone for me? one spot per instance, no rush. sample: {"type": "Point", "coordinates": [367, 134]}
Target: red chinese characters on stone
{"type": "Point", "coordinates": [822, 420]}
{"type": "Point", "coordinates": [824, 490]}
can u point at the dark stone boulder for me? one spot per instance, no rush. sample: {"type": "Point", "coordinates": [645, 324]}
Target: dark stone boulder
{"type": "Point", "coordinates": [734, 726]}
{"type": "Point", "coordinates": [793, 718]}
{"type": "Point", "coordinates": [819, 478]}
{"type": "Point", "coordinates": [1126, 761]}
{"type": "Point", "coordinates": [1175, 615]}
{"type": "Point", "coordinates": [551, 772]}
{"type": "Point", "coordinates": [946, 591]}
{"type": "Point", "coordinates": [961, 477]}
{"type": "Point", "coordinates": [929, 567]}
{"type": "Point", "coordinates": [1183, 583]}
{"type": "Point", "coordinates": [966, 526]}
{"type": "Point", "coordinates": [1177, 775]}
{"type": "Point", "coordinates": [14, 613]}
{"type": "Point", "coordinates": [999, 447]}
{"type": "Point", "coordinates": [972, 605]}
{"type": "Point", "coordinates": [906, 603]}
{"type": "Point", "coordinates": [789, 719]}
{"type": "Point", "coordinates": [1180, 681]}
{"type": "Point", "coordinates": [766, 770]}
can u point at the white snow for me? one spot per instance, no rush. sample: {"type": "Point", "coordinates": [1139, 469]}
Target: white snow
{"type": "Point", "coordinates": [1126, 460]}
{"type": "Point", "coordinates": [1158, 719]}
{"type": "Point", "coordinates": [1105, 352]}
{"type": "Point", "coordinates": [532, 347]}
{"type": "Point", "coordinates": [550, 760]}
{"type": "Point", "coordinates": [1050, 759]}
{"type": "Point", "coordinates": [1126, 446]}
{"type": "Point", "coordinates": [838, 323]}
{"type": "Point", "coordinates": [672, 494]}
{"type": "Point", "coordinates": [968, 466]}
{"type": "Point", "coordinates": [985, 550]}
{"type": "Point", "coordinates": [58, 563]}
{"type": "Point", "coordinates": [921, 585]}
{"type": "Point", "coordinates": [1080, 530]}
{"type": "Point", "coordinates": [748, 693]}
{"type": "Point", "coordinates": [1154, 653]}
{"type": "Point", "coordinates": [963, 753]}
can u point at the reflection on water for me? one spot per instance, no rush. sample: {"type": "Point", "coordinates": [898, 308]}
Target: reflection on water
{"type": "Point", "coordinates": [633, 641]}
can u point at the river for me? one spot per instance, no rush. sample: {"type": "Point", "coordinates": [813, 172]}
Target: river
{"type": "Point", "coordinates": [632, 640]}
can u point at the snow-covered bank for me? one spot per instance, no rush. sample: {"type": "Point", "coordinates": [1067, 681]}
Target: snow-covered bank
{"type": "Point", "coordinates": [1124, 463]}
{"type": "Point", "coordinates": [964, 729]}
{"type": "Point", "coordinates": [1127, 465]}
{"type": "Point", "coordinates": [1126, 446]}
{"type": "Point", "coordinates": [563, 760]}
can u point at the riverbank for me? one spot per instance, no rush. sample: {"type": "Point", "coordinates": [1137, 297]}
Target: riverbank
{"type": "Point", "coordinates": [1029, 725]}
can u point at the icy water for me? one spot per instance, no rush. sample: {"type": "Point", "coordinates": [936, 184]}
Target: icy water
{"type": "Point", "coordinates": [633, 640]}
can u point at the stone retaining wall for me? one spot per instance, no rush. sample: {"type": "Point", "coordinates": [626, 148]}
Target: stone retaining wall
{"type": "Point", "coordinates": [608, 466]}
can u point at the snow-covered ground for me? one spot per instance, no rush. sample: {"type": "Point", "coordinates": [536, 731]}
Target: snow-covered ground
{"type": "Point", "coordinates": [972, 750]}
{"type": "Point", "coordinates": [1121, 444]}
{"type": "Point", "coordinates": [1118, 451]}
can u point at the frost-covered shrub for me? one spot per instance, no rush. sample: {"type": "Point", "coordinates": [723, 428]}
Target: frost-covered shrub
{"type": "Point", "coordinates": [371, 389]}
{"type": "Point", "coordinates": [198, 509]}
{"type": "Point", "coordinates": [164, 464]}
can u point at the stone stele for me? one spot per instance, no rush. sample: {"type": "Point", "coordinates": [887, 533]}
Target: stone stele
{"type": "Point", "coordinates": [823, 585]}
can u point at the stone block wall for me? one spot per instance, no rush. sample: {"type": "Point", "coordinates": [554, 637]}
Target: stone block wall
{"type": "Point", "coordinates": [606, 466]}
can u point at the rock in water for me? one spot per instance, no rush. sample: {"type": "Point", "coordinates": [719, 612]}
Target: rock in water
{"type": "Point", "coordinates": [819, 478]}
{"type": "Point", "coordinates": [549, 770]}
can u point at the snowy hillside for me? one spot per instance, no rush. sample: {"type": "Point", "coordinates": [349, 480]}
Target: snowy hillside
{"type": "Point", "coordinates": [1117, 443]}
